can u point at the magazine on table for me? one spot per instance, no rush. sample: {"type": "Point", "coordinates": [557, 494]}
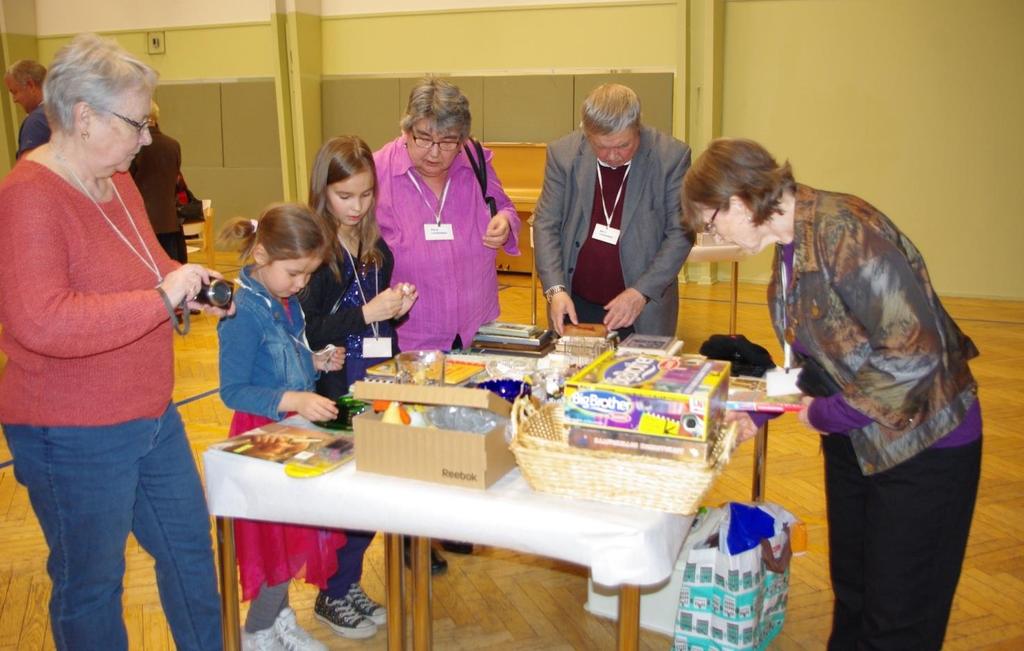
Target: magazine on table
{"type": "Point", "coordinates": [302, 451]}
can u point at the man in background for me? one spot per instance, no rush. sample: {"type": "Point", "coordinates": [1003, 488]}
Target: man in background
{"type": "Point", "coordinates": [607, 237]}
{"type": "Point", "coordinates": [24, 80]}
{"type": "Point", "coordinates": [156, 169]}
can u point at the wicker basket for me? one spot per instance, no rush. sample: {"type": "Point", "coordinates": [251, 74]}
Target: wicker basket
{"type": "Point", "coordinates": [550, 465]}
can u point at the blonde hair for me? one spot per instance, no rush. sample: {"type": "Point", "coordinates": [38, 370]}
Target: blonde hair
{"type": "Point", "coordinates": [286, 231]}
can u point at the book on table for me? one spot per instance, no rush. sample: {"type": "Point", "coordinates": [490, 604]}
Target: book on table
{"type": "Point", "coordinates": [507, 329]}
{"type": "Point", "coordinates": [658, 345]}
{"type": "Point", "coordinates": [304, 452]}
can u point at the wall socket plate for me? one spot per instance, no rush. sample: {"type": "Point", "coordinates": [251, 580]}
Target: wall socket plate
{"type": "Point", "coordinates": [155, 42]}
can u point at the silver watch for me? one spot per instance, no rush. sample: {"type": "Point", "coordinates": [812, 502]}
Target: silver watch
{"type": "Point", "coordinates": [550, 292]}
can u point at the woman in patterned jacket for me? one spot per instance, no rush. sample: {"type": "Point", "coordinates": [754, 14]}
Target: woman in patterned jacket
{"type": "Point", "coordinates": [886, 383]}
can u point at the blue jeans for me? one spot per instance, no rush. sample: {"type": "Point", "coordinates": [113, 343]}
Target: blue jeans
{"type": "Point", "coordinates": [90, 486]}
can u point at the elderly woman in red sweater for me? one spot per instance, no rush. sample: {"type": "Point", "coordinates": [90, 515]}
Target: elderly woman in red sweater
{"type": "Point", "coordinates": [86, 302]}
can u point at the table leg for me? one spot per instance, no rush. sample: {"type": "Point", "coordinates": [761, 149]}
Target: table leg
{"type": "Point", "coordinates": [227, 576]}
{"type": "Point", "coordinates": [393, 590]}
{"type": "Point", "coordinates": [629, 618]}
{"type": "Point", "coordinates": [422, 618]}
{"type": "Point", "coordinates": [760, 459]}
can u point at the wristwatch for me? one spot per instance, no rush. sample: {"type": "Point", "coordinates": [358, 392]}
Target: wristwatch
{"type": "Point", "coordinates": [550, 292]}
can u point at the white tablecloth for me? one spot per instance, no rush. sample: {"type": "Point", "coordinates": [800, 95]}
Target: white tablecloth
{"type": "Point", "coordinates": [621, 545]}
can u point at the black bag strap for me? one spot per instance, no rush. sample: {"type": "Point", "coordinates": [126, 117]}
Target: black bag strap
{"type": "Point", "coordinates": [480, 169]}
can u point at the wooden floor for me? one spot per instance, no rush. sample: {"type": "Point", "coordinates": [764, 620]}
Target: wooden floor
{"type": "Point", "coordinates": [497, 599]}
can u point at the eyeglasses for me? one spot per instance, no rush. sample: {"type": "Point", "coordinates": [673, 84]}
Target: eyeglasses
{"type": "Point", "coordinates": [709, 225]}
{"type": "Point", "coordinates": [444, 145]}
{"type": "Point", "coordinates": [138, 126]}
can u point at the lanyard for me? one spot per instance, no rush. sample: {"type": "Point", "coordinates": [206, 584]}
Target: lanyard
{"type": "Point", "coordinates": [618, 195]}
{"type": "Point", "coordinates": [440, 205]}
{"type": "Point", "coordinates": [787, 349]}
{"type": "Point", "coordinates": [151, 263]}
{"type": "Point", "coordinates": [359, 285]}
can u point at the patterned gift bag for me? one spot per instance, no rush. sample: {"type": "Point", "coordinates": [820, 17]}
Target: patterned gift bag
{"type": "Point", "coordinates": [733, 601]}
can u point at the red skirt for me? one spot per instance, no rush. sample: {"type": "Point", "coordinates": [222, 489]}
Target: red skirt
{"type": "Point", "coordinates": [274, 553]}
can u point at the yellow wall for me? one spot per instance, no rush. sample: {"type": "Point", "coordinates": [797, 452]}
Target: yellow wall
{"type": "Point", "coordinates": [914, 105]}
{"type": "Point", "coordinates": [636, 36]}
{"type": "Point", "coordinates": [221, 52]}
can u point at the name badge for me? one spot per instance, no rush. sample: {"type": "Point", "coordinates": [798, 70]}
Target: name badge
{"type": "Point", "coordinates": [781, 383]}
{"type": "Point", "coordinates": [435, 232]}
{"type": "Point", "coordinates": [376, 346]}
{"type": "Point", "coordinates": [606, 234]}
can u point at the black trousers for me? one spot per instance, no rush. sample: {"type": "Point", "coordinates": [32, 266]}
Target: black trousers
{"type": "Point", "coordinates": [896, 544]}
{"type": "Point", "coordinates": [587, 312]}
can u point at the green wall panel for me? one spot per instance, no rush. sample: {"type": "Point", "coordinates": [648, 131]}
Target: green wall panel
{"type": "Point", "coordinates": [235, 191]}
{"type": "Point", "coordinates": [536, 108]}
{"type": "Point", "coordinates": [249, 123]}
{"type": "Point", "coordinates": [191, 114]}
{"type": "Point", "coordinates": [367, 108]}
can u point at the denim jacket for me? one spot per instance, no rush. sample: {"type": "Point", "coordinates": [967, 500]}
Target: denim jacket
{"type": "Point", "coordinates": [862, 303]}
{"type": "Point", "coordinates": [263, 353]}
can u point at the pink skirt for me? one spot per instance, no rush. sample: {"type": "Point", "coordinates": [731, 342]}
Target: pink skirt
{"type": "Point", "coordinates": [274, 553]}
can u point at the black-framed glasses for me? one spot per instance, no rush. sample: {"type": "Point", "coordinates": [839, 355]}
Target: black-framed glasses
{"type": "Point", "coordinates": [709, 225]}
{"type": "Point", "coordinates": [424, 142]}
{"type": "Point", "coordinates": [138, 126]}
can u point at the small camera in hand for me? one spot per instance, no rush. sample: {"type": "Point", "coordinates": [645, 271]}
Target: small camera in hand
{"type": "Point", "coordinates": [217, 294]}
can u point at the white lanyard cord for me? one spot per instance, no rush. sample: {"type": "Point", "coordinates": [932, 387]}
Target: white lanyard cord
{"type": "Point", "coordinates": [440, 205]}
{"type": "Point", "coordinates": [787, 349]}
{"type": "Point", "coordinates": [618, 195]}
{"type": "Point", "coordinates": [151, 264]}
{"type": "Point", "coordinates": [359, 285]}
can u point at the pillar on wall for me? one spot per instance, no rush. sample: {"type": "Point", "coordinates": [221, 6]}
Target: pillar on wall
{"type": "Point", "coordinates": [297, 30]}
{"type": "Point", "coordinates": [703, 80]}
{"type": "Point", "coordinates": [18, 37]}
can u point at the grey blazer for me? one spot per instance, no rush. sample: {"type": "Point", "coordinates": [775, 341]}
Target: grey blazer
{"type": "Point", "coordinates": [652, 245]}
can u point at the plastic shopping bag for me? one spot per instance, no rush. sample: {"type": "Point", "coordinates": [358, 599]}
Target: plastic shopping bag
{"type": "Point", "coordinates": [733, 601]}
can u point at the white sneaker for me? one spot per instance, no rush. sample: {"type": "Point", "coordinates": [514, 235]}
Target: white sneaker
{"type": "Point", "coordinates": [292, 637]}
{"type": "Point", "coordinates": [265, 640]}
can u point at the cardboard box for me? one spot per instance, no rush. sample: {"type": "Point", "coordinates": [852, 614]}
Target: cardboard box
{"type": "Point", "coordinates": [441, 456]}
{"type": "Point", "coordinates": [681, 397]}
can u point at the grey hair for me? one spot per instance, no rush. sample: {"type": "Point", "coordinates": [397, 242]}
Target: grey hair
{"type": "Point", "coordinates": [93, 70]}
{"type": "Point", "coordinates": [24, 70]}
{"type": "Point", "coordinates": [440, 102]}
{"type": "Point", "coordinates": [610, 108]}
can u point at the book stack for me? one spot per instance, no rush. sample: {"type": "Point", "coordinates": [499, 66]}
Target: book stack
{"type": "Point", "coordinates": [514, 338]}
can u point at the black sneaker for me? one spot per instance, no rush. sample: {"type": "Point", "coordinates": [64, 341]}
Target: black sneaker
{"type": "Point", "coordinates": [343, 618]}
{"type": "Point", "coordinates": [365, 606]}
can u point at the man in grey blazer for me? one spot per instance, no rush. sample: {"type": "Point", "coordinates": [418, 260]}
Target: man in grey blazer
{"type": "Point", "coordinates": [607, 234]}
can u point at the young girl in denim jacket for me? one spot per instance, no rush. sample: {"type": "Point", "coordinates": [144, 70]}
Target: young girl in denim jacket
{"type": "Point", "coordinates": [267, 372]}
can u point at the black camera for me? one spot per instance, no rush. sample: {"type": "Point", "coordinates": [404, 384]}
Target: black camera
{"type": "Point", "coordinates": [217, 294]}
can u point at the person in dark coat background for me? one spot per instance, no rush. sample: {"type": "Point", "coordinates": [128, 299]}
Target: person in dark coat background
{"type": "Point", "coordinates": [155, 170]}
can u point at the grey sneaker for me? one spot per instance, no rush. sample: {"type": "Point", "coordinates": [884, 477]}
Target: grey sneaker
{"type": "Point", "coordinates": [365, 606]}
{"type": "Point", "coordinates": [343, 618]}
{"type": "Point", "coordinates": [292, 636]}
